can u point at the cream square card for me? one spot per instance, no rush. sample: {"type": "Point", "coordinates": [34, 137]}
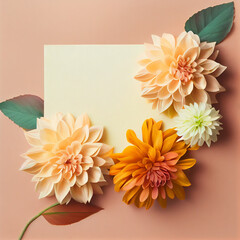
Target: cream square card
{"type": "Point", "coordinates": [98, 80]}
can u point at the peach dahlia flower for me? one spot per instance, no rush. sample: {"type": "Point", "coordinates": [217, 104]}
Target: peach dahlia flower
{"type": "Point", "coordinates": [179, 71]}
{"type": "Point", "coordinates": [153, 168]}
{"type": "Point", "coordinates": [66, 158]}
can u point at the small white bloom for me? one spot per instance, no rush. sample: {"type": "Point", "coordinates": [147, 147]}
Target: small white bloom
{"type": "Point", "coordinates": [198, 123]}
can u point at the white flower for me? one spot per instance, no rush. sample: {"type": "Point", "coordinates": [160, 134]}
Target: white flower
{"type": "Point", "coordinates": [198, 123]}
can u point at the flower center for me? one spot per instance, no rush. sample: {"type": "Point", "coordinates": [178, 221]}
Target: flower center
{"type": "Point", "coordinates": [157, 177]}
{"type": "Point", "coordinates": [199, 121]}
{"type": "Point", "coordinates": [157, 173]}
{"type": "Point", "coordinates": [72, 166]}
{"type": "Point", "coordinates": [182, 70]}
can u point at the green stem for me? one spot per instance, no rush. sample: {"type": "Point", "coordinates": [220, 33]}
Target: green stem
{"type": "Point", "coordinates": [34, 218]}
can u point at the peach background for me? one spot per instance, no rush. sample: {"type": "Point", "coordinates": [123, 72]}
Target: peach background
{"type": "Point", "coordinates": [211, 210]}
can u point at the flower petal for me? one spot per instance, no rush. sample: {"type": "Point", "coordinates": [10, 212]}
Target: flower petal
{"type": "Point", "coordinates": [144, 77]}
{"type": "Point", "coordinates": [178, 106]}
{"type": "Point", "coordinates": [129, 184]}
{"type": "Point", "coordinates": [61, 190]}
{"type": "Point", "coordinates": [206, 49]}
{"type": "Point", "coordinates": [44, 123]}
{"type": "Point", "coordinates": [144, 62]}
{"type": "Point", "coordinates": [177, 96]}
{"type": "Point", "coordinates": [46, 171]}
{"type": "Point", "coordinates": [163, 78]}
{"type": "Point", "coordinates": [81, 134]}
{"type": "Point", "coordinates": [170, 193]}
{"type": "Point", "coordinates": [219, 70]}
{"type": "Point", "coordinates": [164, 104]}
{"type": "Point", "coordinates": [186, 163]}
{"type": "Point", "coordinates": [132, 138]}
{"type": "Point", "coordinates": [82, 121]}
{"type": "Point", "coordinates": [31, 166]}
{"type": "Point", "coordinates": [214, 55]}
{"type": "Point", "coordinates": [156, 67]}
{"type": "Point", "coordinates": [105, 150]}
{"type": "Point", "coordinates": [82, 194]}
{"type": "Point", "coordinates": [144, 195]}
{"type": "Point", "coordinates": [166, 46]}
{"type": "Point", "coordinates": [69, 119]}
{"type": "Point", "coordinates": [164, 93]}
{"type": "Point", "coordinates": [179, 191]}
{"type": "Point", "coordinates": [157, 139]}
{"type": "Point", "coordinates": [63, 130]}
{"type": "Point", "coordinates": [45, 187]}
{"type": "Point", "coordinates": [170, 38]}
{"type": "Point", "coordinates": [209, 66]}
{"type": "Point", "coordinates": [173, 86]}
{"type": "Point", "coordinates": [212, 84]}
{"type": "Point", "coordinates": [199, 96]}
{"type": "Point", "coordinates": [98, 161]}
{"type": "Point", "coordinates": [170, 155]}
{"type": "Point", "coordinates": [168, 143]}
{"type": "Point", "coordinates": [200, 81]}
{"type": "Point", "coordinates": [156, 40]}
{"type": "Point", "coordinates": [33, 137]}
{"type": "Point", "coordinates": [162, 202]}
{"type": "Point", "coordinates": [191, 54]}
{"type": "Point", "coordinates": [129, 154]}
{"type": "Point", "coordinates": [39, 155]}
{"type": "Point", "coordinates": [82, 179]}
{"type": "Point", "coordinates": [182, 179]}
{"type": "Point", "coordinates": [76, 147]}
{"type": "Point", "coordinates": [184, 41]}
{"type": "Point", "coordinates": [130, 194]}
{"type": "Point", "coordinates": [150, 93]}
{"type": "Point", "coordinates": [90, 149]}
{"type": "Point", "coordinates": [95, 134]}
{"type": "Point", "coordinates": [155, 193]}
{"type": "Point", "coordinates": [186, 88]}
{"type": "Point", "coordinates": [94, 174]}
{"type": "Point", "coordinates": [48, 136]}
{"type": "Point", "coordinates": [147, 131]}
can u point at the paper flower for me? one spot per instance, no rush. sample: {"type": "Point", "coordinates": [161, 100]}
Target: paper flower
{"type": "Point", "coordinates": [179, 71]}
{"type": "Point", "coordinates": [198, 123]}
{"type": "Point", "coordinates": [66, 158]}
{"type": "Point", "coordinates": [153, 168]}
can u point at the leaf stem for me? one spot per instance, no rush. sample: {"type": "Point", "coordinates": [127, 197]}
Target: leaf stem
{"type": "Point", "coordinates": [34, 218]}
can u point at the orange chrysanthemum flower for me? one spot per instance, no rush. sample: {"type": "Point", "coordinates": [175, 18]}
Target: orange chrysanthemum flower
{"type": "Point", "coordinates": [153, 168]}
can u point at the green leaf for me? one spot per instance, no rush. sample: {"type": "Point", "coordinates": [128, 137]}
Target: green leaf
{"type": "Point", "coordinates": [70, 213]}
{"type": "Point", "coordinates": [212, 24]}
{"type": "Point", "coordinates": [23, 110]}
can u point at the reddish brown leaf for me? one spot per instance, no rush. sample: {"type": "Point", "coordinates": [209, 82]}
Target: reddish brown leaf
{"type": "Point", "coordinates": [70, 213]}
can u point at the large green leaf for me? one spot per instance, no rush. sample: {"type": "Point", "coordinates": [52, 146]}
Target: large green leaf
{"type": "Point", "coordinates": [70, 213]}
{"type": "Point", "coordinates": [212, 24]}
{"type": "Point", "coordinates": [23, 110]}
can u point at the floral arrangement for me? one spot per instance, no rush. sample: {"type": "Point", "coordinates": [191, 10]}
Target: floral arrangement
{"type": "Point", "coordinates": [68, 159]}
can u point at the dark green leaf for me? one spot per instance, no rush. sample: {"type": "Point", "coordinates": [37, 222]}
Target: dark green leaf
{"type": "Point", "coordinates": [23, 110]}
{"type": "Point", "coordinates": [212, 24]}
